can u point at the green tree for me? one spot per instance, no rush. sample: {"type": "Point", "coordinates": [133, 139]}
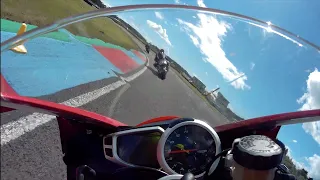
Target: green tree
{"type": "Point", "coordinates": [301, 174]}
{"type": "Point", "coordinates": [99, 3]}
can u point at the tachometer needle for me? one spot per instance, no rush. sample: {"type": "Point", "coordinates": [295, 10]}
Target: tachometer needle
{"type": "Point", "coordinates": [182, 151]}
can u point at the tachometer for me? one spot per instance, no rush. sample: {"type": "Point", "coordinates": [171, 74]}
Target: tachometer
{"type": "Point", "coordinates": [188, 147]}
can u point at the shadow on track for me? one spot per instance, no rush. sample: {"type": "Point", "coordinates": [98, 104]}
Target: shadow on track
{"type": "Point", "coordinates": [153, 71]}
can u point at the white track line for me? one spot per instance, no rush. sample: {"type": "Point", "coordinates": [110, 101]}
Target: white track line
{"type": "Point", "coordinates": [17, 128]}
{"type": "Point", "coordinates": [117, 98]}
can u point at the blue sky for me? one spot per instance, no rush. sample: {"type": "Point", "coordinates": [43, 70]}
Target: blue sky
{"type": "Point", "coordinates": [280, 74]}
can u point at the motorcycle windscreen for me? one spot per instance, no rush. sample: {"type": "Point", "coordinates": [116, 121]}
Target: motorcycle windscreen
{"type": "Point", "coordinates": [139, 149]}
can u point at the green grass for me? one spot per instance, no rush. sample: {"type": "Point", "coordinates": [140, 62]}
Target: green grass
{"type": "Point", "coordinates": [190, 85]}
{"type": "Point", "coordinates": [62, 34]}
{"type": "Point", "coordinates": [11, 26]}
{"type": "Point", "coordinates": [43, 12]}
{"type": "Point", "coordinates": [196, 91]}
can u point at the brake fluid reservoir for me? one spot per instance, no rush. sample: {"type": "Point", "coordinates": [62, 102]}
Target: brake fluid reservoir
{"type": "Point", "coordinates": [255, 157]}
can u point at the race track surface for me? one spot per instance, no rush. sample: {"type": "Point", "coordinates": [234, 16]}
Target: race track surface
{"type": "Point", "coordinates": [36, 152]}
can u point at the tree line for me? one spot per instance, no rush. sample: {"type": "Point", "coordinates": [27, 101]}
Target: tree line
{"type": "Point", "coordinates": [99, 3]}
{"type": "Point", "coordinates": [300, 174]}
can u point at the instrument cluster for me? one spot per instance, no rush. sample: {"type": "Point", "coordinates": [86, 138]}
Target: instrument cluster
{"type": "Point", "coordinates": [188, 146]}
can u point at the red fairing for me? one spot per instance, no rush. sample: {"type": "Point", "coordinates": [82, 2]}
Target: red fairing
{"type": "Point", "coordinates": [15, 101]}
{"type": "Point", "coordinates": [158, 119]}
{"type": "Point", "coordinates": [66, 131]}
{"type": "Point", "coordinates": [276, 120]}
{"type": "Point", "coordinates": [6, 89]}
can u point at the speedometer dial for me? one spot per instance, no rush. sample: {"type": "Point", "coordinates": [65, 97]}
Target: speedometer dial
{"type": "Point", "coordinates": [189, 148]}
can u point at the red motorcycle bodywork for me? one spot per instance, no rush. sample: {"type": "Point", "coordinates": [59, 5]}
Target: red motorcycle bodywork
{"type": "Point", "coordinates": [10, 101]}
{"type": "Point", "coordinates": [268, 125]}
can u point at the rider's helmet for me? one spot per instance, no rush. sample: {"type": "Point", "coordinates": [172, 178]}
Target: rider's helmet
{"type": "Point", "coordinates": [161, 54]}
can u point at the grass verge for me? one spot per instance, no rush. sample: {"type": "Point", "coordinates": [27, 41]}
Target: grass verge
{"type": "Point", "coordinates": [195, 90]}
{"type": "Point", "coordinates": [62, 34]}
{"type": "Point", "coordinates": [11, 26]}
{"type": "Point", "coordinates": [43, 12]}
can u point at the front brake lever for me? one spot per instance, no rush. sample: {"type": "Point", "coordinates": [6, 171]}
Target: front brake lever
{"type": "Point", "coordinates": [84, 171]}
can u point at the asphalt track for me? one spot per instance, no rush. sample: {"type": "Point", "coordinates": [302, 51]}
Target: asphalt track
{"type": "Point", "coordinates": [37, 154]}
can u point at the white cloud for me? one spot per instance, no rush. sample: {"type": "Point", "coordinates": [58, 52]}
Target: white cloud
{"type": "Point", "coordinates": [194, 40]}
{"type": "Point", "coordinates": [298, 165]}
{"type": "Point", "coordinates": [252, 65]}
{"type": "Point", "coordinates": [207, 73]}
{"type": "Point", "coordinates": [160, 31]}
{"type": "Point", "coordinates": [311, 100]}
{"type": "Point", "coordinates": [314, 163]}
{"type": "Point", "coordinates": [159, 15]}
{"type": "Point", "coordinates": [313, 128]}
{"type": "Point", "coordinates": [177, 1]}
{"type": "Point", "coordinates": [207, 36]}
{"type": "Point", "coordinates": [106, 3]}
{"type": "Point", "coordinates": [312, 167]}
{"type": "Point", "coordinates": [295, 141]}
{"type": "Point", "coordinates": [201, 3]}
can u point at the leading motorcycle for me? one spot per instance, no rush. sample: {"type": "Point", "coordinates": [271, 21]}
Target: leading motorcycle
{"type": "Point", "coordinates": [162, 67]}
